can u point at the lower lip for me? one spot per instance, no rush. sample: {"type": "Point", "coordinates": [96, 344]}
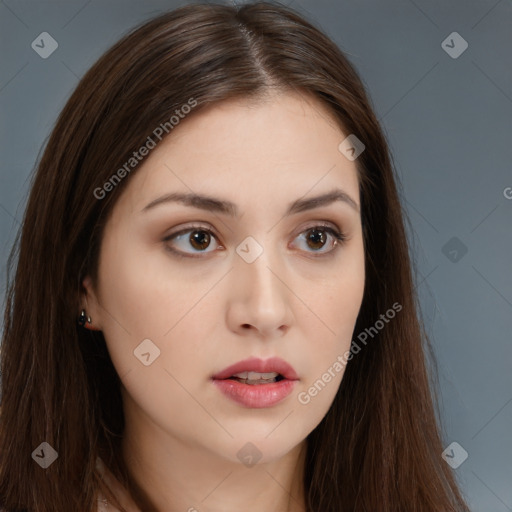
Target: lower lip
{"type": "Point", "coordinates": [256, 395]}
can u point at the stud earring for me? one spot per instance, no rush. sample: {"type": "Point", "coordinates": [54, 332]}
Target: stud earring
{"type": "Point", "coordinates": [82, 319]}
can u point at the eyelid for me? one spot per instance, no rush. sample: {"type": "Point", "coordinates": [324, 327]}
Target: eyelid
{"type": "Point", "coordinates": [187, 229]}
{"type": "Point", "coordinates": [340, 238]}
{"type": "Point", "coordinates": [191, 227]}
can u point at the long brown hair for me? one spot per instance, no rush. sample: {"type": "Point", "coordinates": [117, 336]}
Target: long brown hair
{"type": "Point", "coordinates": [379, 447]}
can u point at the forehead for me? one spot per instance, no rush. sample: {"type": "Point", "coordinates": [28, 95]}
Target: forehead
{"type": "Point", "coordinates": [282, 145]}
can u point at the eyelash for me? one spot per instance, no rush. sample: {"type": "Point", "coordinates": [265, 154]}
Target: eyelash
{"type": "Point", "coordinates": [338, 236]}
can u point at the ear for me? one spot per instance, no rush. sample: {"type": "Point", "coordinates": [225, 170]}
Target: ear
{"type": "Point", "coordinates": [89, 302]}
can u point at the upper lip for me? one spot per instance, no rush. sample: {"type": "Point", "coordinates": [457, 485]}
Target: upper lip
{"type": "Point", "coordinates": [253, 364]}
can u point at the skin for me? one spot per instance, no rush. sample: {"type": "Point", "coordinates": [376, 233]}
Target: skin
{"type": "Point", "coordinates": [206, 313]}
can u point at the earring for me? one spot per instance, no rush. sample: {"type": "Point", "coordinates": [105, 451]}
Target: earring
{"type": "Point", "coordinates": [83, 318]}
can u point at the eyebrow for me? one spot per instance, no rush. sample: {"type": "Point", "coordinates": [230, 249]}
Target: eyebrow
{"type": "Point", "coordinates": [213, 204]}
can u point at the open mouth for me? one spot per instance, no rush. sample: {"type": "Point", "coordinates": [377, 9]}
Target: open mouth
{"type": "Point", "coordinates": [256, 378]}
{"type": "Point", "coordinates": [257, 389]}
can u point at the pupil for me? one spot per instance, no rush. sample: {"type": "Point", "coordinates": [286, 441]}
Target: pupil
{"type": "Point", "coordinates": [200, 239]}
{"type": "Point", "coordinates": [315, 236]}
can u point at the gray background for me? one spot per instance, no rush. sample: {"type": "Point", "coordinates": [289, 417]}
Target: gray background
{"type": "Point", "coordinates": [449, 124]}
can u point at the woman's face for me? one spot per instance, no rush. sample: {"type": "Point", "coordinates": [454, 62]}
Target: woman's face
{"type": "Point", "coordinates": [188, 288]}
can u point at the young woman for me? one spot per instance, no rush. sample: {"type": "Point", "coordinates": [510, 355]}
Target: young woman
{"type": "Point", "coordinates": [213, 306]}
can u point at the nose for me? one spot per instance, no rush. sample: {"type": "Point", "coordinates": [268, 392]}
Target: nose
{"type": "Point", "coordinates": [259, 297]}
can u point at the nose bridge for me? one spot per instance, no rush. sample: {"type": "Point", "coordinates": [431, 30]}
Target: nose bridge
{"type": "Point", "coordinates": [258, 273]}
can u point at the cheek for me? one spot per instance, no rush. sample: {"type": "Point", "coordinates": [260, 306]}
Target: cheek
{"type": "Point", "coordinates": [155, 309]}
{"type": "Point", "coordinates": [328, 349]}
{"type": "Point", "coordinates": [178, 378]}
{"type": "Point", "coordinates": [145, 296]}
{"type": "Point", "coordinates": [329, 330]}
{"type": "Point", "coordinates": [334, 305]}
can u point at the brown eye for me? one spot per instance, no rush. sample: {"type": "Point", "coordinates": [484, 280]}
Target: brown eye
{"type": "Point", "coordinates": [200, 240]}
{"type": "Point", "coordinates": [316, 238]}
{"type": "Point", "coordinates": [191, 241]}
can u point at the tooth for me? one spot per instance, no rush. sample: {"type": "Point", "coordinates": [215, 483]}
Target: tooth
{"type": "Point", "coordinates": [256, 375]}
{"type": "Point", "coordinates": [242, 375]}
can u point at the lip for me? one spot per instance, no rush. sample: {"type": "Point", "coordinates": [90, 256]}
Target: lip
{"type": "Point", "coordinates": [257, 395]}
